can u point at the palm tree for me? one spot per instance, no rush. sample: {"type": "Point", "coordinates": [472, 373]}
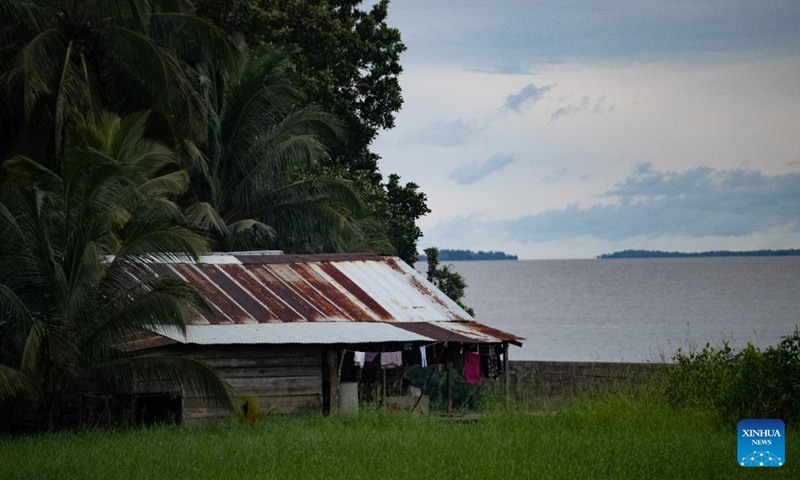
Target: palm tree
{"type": "Point", "coordinates": [260, 185]}
{"type": "Point", "coordinates": [62, 58]}
{"type": "Point", "coordinates": [74, 278]}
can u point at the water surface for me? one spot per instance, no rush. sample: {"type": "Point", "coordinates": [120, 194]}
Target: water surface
{"type": "Point", "coordinates": [634, 309]}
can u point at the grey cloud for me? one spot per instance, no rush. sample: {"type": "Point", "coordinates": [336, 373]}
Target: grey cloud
{"type": "Point", "coordinates": [470, 173]}
{"type": "Point", "coordinates": [700, 202]}
{"type": "Point", "coordinates": [597, 107]}
{"type": "Point", "coordinates": [446, 133]}
{"type": "Point", "coordinates": [571, 109]}
{"type": "Point", "coordinates": [528, 95]}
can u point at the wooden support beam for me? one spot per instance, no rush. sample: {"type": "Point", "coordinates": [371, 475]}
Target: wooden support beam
{"type": "Point", "coordinates": [506, 374]}
{"type": "Point", "coordinates": [333, 375]}
{"type": "Point", "coordinates": [383, 371]}
{"type": "Point", "coordinates": [449, 388]}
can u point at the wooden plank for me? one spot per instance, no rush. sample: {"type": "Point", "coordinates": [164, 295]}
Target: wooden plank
{"type": "Point", "coordinates": [271, 372]}
{"type": "Point", "coordinates": [267, 382]}
{"type": "Point", "coordinates": [237, 351]}
{"type": "Point", "coordinates": [244, 362]}
{"type": "Point", "coordinates": [276, 386]}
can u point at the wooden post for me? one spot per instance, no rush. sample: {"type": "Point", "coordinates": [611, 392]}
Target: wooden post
{"type": "Point", "coordinates": [333, 376]}
{"type": "Point", "coordinates": [449, 388]}
{"type": "Point", "coordinates": [506, 375]}
{"type": "Point", "coordinates": [383, 372]}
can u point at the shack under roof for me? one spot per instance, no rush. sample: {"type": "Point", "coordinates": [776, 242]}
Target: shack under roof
{"type": "Point", "coordinates": [273, 298]}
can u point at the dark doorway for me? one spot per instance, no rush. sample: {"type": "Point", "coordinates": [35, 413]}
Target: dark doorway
{"type": "Point", "coordinates": [157, 408]}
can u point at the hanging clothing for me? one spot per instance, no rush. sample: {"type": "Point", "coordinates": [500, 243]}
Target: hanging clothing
{"type": "Point", "coordinates": [490, 364]}
{"type": "Point", "coordinates": [494, 363]}
{"type": "Point", "coordinates": [370, 356]}
{"type": "Point", "coordinates": [391, 359]}
{"type": "Point", "coordinates": [359, 358]}
{"type": "Point", "coordinates": [423, 356]}
{"type": "Point", "coordinates": [472, 368]}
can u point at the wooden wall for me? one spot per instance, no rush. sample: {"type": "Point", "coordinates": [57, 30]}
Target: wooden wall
{"type": "Point", "coordinates": [286, 377]}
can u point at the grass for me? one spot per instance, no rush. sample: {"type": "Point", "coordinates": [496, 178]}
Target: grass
{"type": "Point", "coordinates": [613, 436]}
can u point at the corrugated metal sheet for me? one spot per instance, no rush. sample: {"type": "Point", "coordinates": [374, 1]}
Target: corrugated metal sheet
{"type": "Point", "coordinates": [459, 332]}
{"type": "Point", "coordinates": [266, 297]}
{"type": "Point", "coordinates": [314, 288]}
{"type": "Point", "coordinates": [283, 333]}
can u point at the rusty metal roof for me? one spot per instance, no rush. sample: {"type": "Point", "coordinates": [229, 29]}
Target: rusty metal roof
{"type": "Point", "coordinates": [313, 288]}
{"type": "Point", "coordinates": [267, 288]}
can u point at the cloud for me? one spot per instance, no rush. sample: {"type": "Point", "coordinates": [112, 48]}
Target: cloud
{"type": "Point", "coordinates": [521, 33]}
{"type": "Point", "coordinates": [528, 95]}
{"type": "Point", "coordinates": [446, 133]}
{"type": "Point", "coordinates": [470, 173]}
{"type": "Point", "coordinates": [700, 202]}
{"type": "Point", "coordinates": [584, 105]}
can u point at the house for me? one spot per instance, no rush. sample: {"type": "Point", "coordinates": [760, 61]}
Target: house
{"type": "Point", "coordinates": [284, 328]}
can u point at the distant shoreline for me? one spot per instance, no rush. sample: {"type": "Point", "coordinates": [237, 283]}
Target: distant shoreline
{"type": "Point", "coordinates": [446, 255]}
{"type": "Point", "coordinates": [714, 253]}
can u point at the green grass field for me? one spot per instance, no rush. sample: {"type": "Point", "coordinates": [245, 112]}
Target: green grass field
{"type": "Point", "coordinates": [611, 437]}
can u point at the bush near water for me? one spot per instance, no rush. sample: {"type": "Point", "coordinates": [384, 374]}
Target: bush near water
{"type": "Point", "coordinates": [750, 383]}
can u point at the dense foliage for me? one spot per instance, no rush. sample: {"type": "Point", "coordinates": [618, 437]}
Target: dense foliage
{"type": "Point", "coordinates": [74, 286]}
{"type": "Point", "coordinates": [346, 59]}
{"type": "Point", "coordinates": [138, 131]}
{"type": "Point", "coordinates": [750, 383]}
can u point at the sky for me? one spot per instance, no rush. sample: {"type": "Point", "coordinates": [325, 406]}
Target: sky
{"type": "Point", "coordinates": [569, 129]}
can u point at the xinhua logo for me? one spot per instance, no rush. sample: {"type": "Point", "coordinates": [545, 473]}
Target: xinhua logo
{"type": "Point", "coordinates": [762, 442]}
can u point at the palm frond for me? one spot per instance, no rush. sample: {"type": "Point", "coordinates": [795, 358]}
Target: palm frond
{"type": "Point", "coordinates": [13, 383]}
{"type": "Point", "coordinates": [248, 235]}
{"type": "Point", "coordinates": [173, 183]}
{"type": "Point", "coordinates": [23, 169]}
{"type": "Point", "coordinates": [176, 373]}
{"type": "Point", "coordinates": [29, 13]}
{"type": "Point", "coordinates": [206, 218]}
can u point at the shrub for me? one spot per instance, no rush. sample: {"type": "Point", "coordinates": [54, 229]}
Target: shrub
{"type": "Point", "coordinates": [750, 383]}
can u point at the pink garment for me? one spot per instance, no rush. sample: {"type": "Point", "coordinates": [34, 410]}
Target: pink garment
{"type": "Point", "coordinates": [392, 359]}
{"type": "Point", "coordinates": [472, 367]}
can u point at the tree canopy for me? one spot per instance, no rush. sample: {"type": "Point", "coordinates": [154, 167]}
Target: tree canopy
{"type": "Point", "coordinates": [74, 287]}
{"type": "Point", "coordinates": [347, 60]}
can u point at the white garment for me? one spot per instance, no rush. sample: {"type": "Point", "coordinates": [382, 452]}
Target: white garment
{"type": "Point", "coordinates": [358, 359]}
{"type": "Point", "coordinates": [424, 356]}
{"type": "Point", "coordinates": [391, 359]}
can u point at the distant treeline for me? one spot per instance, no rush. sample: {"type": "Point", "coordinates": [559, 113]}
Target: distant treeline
{"type": "Point", "coordinates": [457, 255]}
{"type": "Point", "coordinates": [715, 253]}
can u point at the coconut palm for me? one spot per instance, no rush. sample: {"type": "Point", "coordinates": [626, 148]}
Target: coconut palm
{"type": "Point", "coordinates": [260, 185]}
{"type": "Point", "coordinates": [62, 58]}
{"type": "Point", "coordinates": [74, 281]}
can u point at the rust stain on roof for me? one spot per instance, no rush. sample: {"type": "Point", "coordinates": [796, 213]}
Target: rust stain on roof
{"type": "Point", "coordinates": [356, 291]}
{"type": "Point", "coordinates": [260, 289]}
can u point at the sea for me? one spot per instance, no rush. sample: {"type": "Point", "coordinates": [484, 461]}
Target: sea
{"type": "Point", "coordinates": [634, 310]}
